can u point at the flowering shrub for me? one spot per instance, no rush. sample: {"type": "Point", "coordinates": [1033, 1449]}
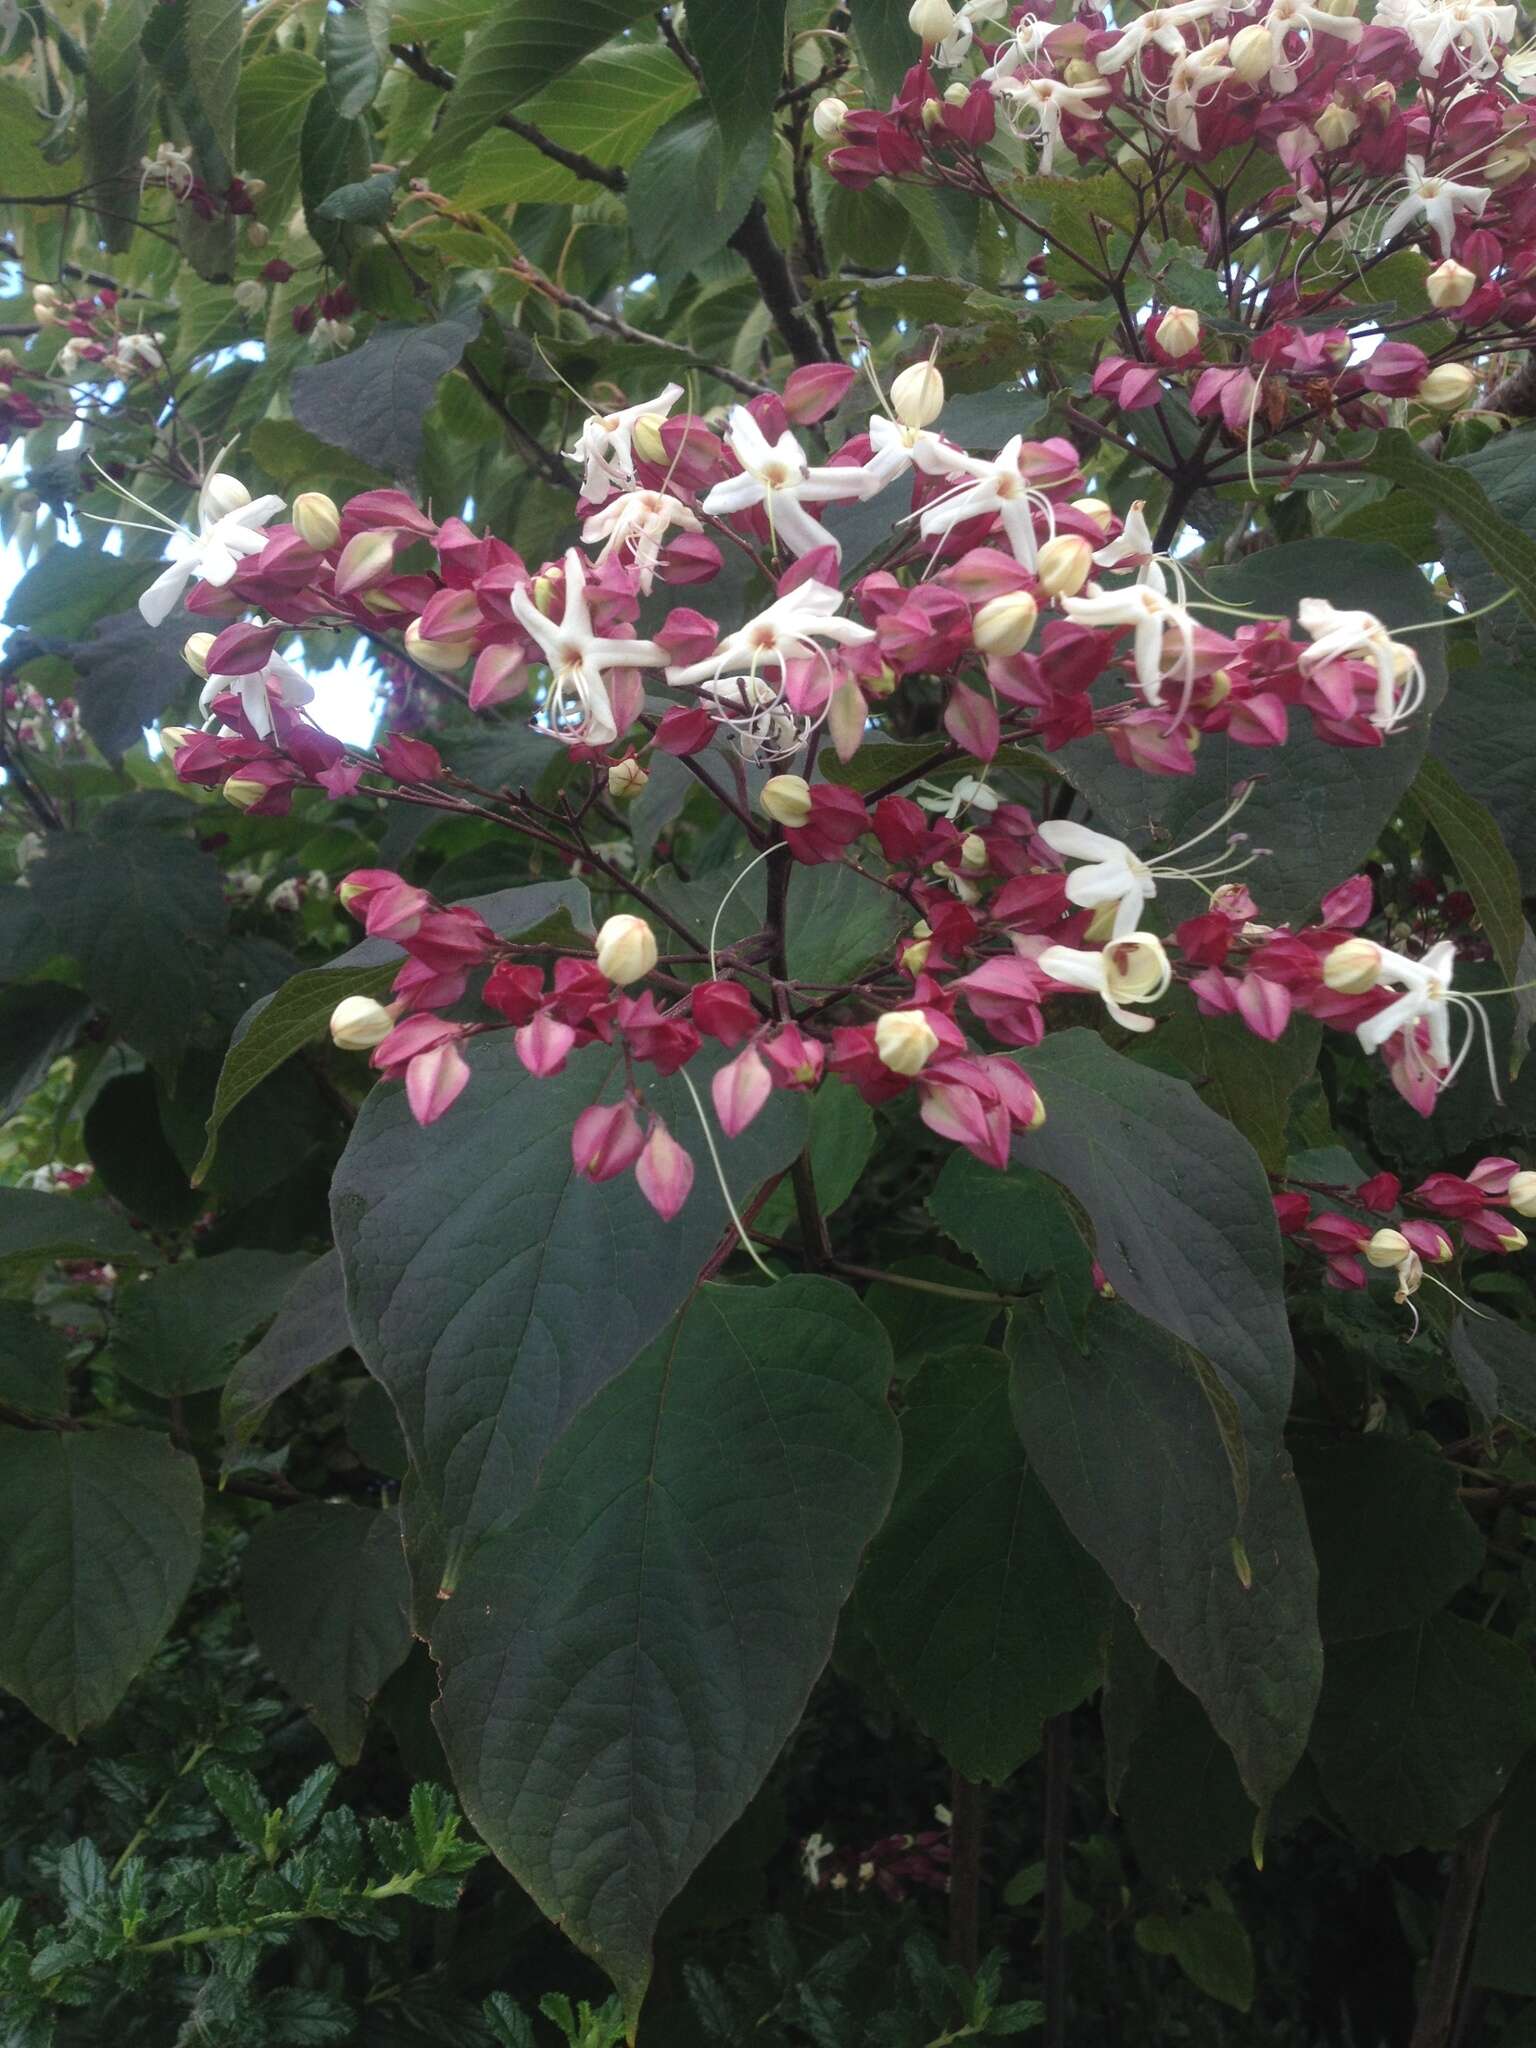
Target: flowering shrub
{"type": "Point", "coordinates": [907, 1038]}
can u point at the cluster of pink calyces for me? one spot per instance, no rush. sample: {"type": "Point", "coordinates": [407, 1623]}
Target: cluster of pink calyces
{"type": "Point", "coordinates": [1460, 1213]}
{"type": "Point", "coordinates": [1410, 132]}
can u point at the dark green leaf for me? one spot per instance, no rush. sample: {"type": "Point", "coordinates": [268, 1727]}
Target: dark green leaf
{"type": "Point", "coordinates": [1456, 489]}
{"type": "Point", "coordinates": [275, 91]}
{"type": "Point", "coordinates": [886, 46]}
{"type": "Point", "coordinates": [1476, 845]}
{"type": "Point", "coordinates": [99, 1537]}
{"type": "Point", "coordinates": [132, 1155]}
{"type": "Point", "coordinates": [1184, 1225]}
{"type": "Point", "coordinates": [181, 1330]}
{"type": "Point", "coordinates": [1497, 1362]}
{"type": "Point", "coordinates": [33, 1362]}
{"type": "Point", "coordinates": [141, 917]}
{"type": "Point", "coordinates": [943, 1304]}
{"type": "Point", "coordinates": [841, 1140]}
{"type": "Point", "coordinates": [740, 51]}
{"type": "Point", "coordinates": [1505, 1956]}
{"type": "Point", "coordinates": [1501, 472]}
{"type": "Point", "coordinates": [309, 1329]}
{"type": "Point", "coordinates": [987, 1615]}
{"type": "Point", "coordinates": [373, 402]}
{"type": "Point", "coordinates": [520, 49]}
{"type": "Point", "coordinates": [1018, 1229]}
{"type": "Point", "coordinates": [494, 1292]}
{"type": "Point", "coordinates": [356, 44]}
{"type": "Point", "coordinates": [368, 204]}
{"type": "Point", "coordinates": [326, 1592]}
{"type": "Point", "coordinates": [38, 1021]}
{"type": "Point", "coordinates": [332, 152]}
{"type": "Point", "coordinates": [213, 30]}
{"type": "Point", "coordinates": [66, 590]}
{"type": "Point", "coordinates": [1211, 1946]}
{"type": "Point", "coordinates": [1418, 1732]}
{"type": "Point", "coordinates": [1245, 1079]}
{"type": "Point", "coordinates": [128, 673]}
{"type": "Point", "coordinates": [687, 194]}
{"type": "Point", "coordinates": [1485, 733]}
{"type": "Point", "coordinates": [621, 1665]}
{"type": "Point", "coordinates": [35, 1228]}
{"type": "Point", "coordinates": [1125, 1441]}
{"type": "Point", "coordinates": [1393, 1542]}
{"type": "Point", "coordinates": [115, 131]}
{"type": "Point", "coordinates": [1318, 809]}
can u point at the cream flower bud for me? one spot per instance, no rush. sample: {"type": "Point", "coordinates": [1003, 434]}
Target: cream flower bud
{"type": "Point", "coordinates": [174, 737]}
{"type": "Point", "coordinates": [1343, 10]}
{"type": "Point", "coordinates": [917, 395]}
{"type": "Point", "coordinates": [914, 958]}
{"type": "Point", "coordinates": [1081, 72]}
{"type": "Point", "coordinates": [828, 116]}
{"type": "Point", "coordinates": [358, 1024]}
{"type": "Point", "coordinates": [626, 779]}
{"type": "Point", "coordinates": [932, 114]}
{"type": "Point", "coordinates": [1335, 125]}
{"type": "Point", "coordinates": [1064, 565]}
{"type": "Point", "coordinates": [1505, 166]}
{"type": "Point", "coordinates": [626, 949]}
{"type": "Point", "coordinates": [905, 1041]}
{"type": "Point", "coordinates": [1099, 510]}
{"type": "Point", "coordinates": [1388, 1248]}
{"type": "Point", "coordinates": [194, 652]}
{"type": "Point", "coordinates": [1513, 1239]}
{"type": "Point", "coordinates": [1178, 331]}
{"type": "Point", "coordinates": [646, 439]}
{"type": "Point", "coordinates": [956, 95]}
{"type": "Point", "coordinates": [973, 853]}
{"type": "Point", "coordinates": [1449, 285]}
{"type": "Point", "coordinates": [441, 656]}
{"type": "Point", "coordinates": [257, 234]}
{"type": "Point", "coordinates": [1003, 624]}
{"type": "Point", "coordinates": [242, 792]}
{"type": "Point", "coordinates": [250, 295]}
{"type": "Point", "coordinates": [1521, 1194]}
{"type": "Point", "coordinates": [317, 519]}
{"type": "Point", "coordinates": [786, 799]}
{"type": "Point", "coordinates": [225, 494]}
{"type": "Point", "coordinates": [931, 19]}
{"type": "Point", "coordinates": [1447, 386]}
{"type": "Point", "coordinates": [1136, 968]}
{"type": "Point", "coordinates": [1250, 53]}
{"type": "Point", "coordinates": [1353, 968]}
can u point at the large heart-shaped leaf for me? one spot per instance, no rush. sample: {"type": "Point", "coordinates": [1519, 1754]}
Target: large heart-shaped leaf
{"type": "Point", "coordinates": [494, 1292]}
{"type": "Point", "coordinates": [622, 1664]}
{"type": "Point", "coordinates": [1130, 1451]}
{"type": "Point", "coordinates": [99, 1537]}
{"type": "Point", "coordinates": [987, 1615]}
{"type": "Point", "coordinates": [373, 402]}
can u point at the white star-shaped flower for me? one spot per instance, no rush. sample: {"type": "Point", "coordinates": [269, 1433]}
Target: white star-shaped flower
{"type": "Point", "coordinates": [606, 444]}
{"type": "Point", "coordinates": [777, 476]}
{"type": "Point", "coordinates": [578, 707]}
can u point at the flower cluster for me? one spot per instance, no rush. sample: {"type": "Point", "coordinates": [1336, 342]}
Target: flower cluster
{"type": "Point", "coordinates": [1471, 1204]}
{"type": "Point", "coordinates": [1408, 133]}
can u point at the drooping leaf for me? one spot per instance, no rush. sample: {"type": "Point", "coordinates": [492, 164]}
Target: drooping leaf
{"type": "Point", "coordinates": [326, 1592]}
{"type": "Point", "coordinates": [688, 193]}
{"type": "Point", "coordinates": [886, 46]}
{"type": "Point", "coordinates": [1485, 734]}
{"type": "Point", "coordinates": [275, 92]}
{"type": "Point", "coordinates": [1497, 1362]}
{"type": "Point", "coordinates": [1181, 1798]}
{"type": "Point", "coordinates": [741, 54]}
{"type": "Point", "coordinates": [1456, 490]}
{"type": "Point", "coordinates": [1180, 1205]}
{"type": "Point", "coordinates": [213, 31]}
{"type": "Point", "coordinates": [1501, 472]}
{"type": "Point", "coordinates": [373, 401]}
{"type": "Point", "coordinates": [116, 127]}
{"type": "Point", "coordinates": [38, 1021]}
{"type": "Point", "coordinates": [1487, 870]}
{"type": "Point", "coordinates": [309, 1329]}
{"type": "Point", "coordinates": [1211, 1946]}
{"type": "Point", "coordinates": [1393, 1542]}
{"type": "Point", "coordinates": [494, 1292]}
{"type": "Point", "coordinates": [128, 674]}
{"type": "Point", "coordinates": [278, 1025]}
{"type": "Point", "coordinates": [1317, 809]}
{"type": "Point", "coordinates": [141, 926]}
{"type": "Point", "coordinates": [99, 1537]}
{"type": "Point", "coordinates": [1126, 1444]}
{"type": "Point", "coordinates": [522, 47]}
{"type": "Point", "coordinates": [367, 204]}
{"type": "Point", "coordinates": [332, 152]}
{"type": "Point", "coordinates": [1245, 1079]}
{"type": "Point", "coordinates": [180, 1331]}
{"type": "Point", "coordinates": [987, 1615]}
{"type": "Point", "coordinates": [1419, 1731]}
{"type": "Point", "coordinates": [356, 44]}
{"type": "Point", "coordinates": [66, 590]}
{"type": "Point", "coordinates": [1504, 1959]}
{"type": "Point", "coordinates": [621, 1665]}
{"type": "Point", "coordinates": [37, 1227]}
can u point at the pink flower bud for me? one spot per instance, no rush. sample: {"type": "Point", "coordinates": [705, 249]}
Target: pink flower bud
{"type": "Point", "coordinates": [739, 1091]}
{"type": "Point", "coordinates": [1380, 1193]}
{"type": "Point", "coordinates": [1432, 1244]}
{"type": "Point", "coordinates": [1494, 1176]}
{"type": "Point", "coordinates": [544, 1044]}
{"type": "Point", "coordinates": [500, 673]}
{"type": "Point", "coordinates": [1291, 1212]}
{"type": "Point", "coordinates": [664, 1172]}
{"type": "Point", "coordinates": [606, 1140]}
{"type": "Point", "coordinates": [366, 559]}
{"type": "Point", "coordinates": [1349, 905]}
{"type": "Point", "coordinates": [724, 1010]}
{"type": "Point", "coordinates": [243, 649]}
{"type": "Point", "coordinates": [435, 1080]}
{"type": "Point", "coordinates": [817, 389]}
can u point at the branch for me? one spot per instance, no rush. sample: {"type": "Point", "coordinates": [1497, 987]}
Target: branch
{"type": "Point", "coordinates": [533, 451]}
{"type": "Point", "coordinates": [1058, 1781]}
{"type": "Point", "coordinates": [1453, 1937]}
{"type": "Point", "coordinates": [415, 59]}
{"type": "Point", "coordinates": [769, 265]}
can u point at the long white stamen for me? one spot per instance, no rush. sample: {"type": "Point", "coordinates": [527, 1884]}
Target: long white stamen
{"type": "Point", "coordinates": [714, 1157]}
{"type": "Point", "coordinates": [714, 929]}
